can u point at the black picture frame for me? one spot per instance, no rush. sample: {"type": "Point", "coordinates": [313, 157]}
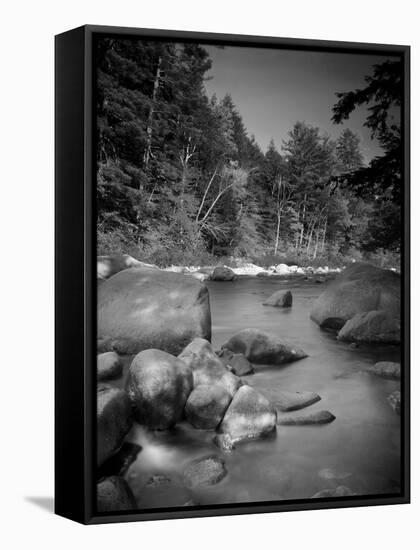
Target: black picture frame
{"type": "Point", "coordinates": [75, 277]}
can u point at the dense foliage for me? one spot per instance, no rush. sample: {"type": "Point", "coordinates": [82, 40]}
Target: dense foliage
{"type": "Point", "coordinates": [180, 180]}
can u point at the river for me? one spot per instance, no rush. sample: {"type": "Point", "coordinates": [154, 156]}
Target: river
{"type": "Point", "coordinates": [360, 449]}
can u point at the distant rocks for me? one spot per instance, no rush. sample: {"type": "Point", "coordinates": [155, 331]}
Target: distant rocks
{"type": "Point", "coordinates": [249, 416]}
{"type": "Point", "coordinates": [319, 417]}
{"type": "Point", "coordinates": [223, 274]}
{"type": "Point", "coordinates": [280, 298]}
{"type": "Point", "coordinates": [109, 366]}
{"type": "Point", "coordinates": [386, 369]}
{"type": "Point", "coordinates": [158, 386]}
{"type": "Point", "coordinates": [292, 401]}
{"type": "Point", "coordinates": [372, 327]}
{"type": "Point", "coordinates": [340, 491]}
{"type": "Point", "coordinates": [114, 421]}
{"type": "Point", "coordinates": [394, 399]}
{"type": "Point", "coordinates": [260, 347]}
{"type": "Point", "coordinates": [205, 471]}
{"type": "Point", "coordinates": [206, 406]}
{"type": "Point", "coordinates": [114, 495]}
{"type": "Point", "coordinates": [146, 308]}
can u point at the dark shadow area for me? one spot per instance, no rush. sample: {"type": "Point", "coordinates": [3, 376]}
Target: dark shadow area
{"type": "Point", "coordinates": [46, 503]}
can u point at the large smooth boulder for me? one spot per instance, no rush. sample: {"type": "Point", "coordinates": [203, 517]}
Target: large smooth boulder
{"type": "Point", "coordinates": [372, 327]}
{"type": "Point", "coordinates": [223, 274]}
{"type": "Point", "coordinates": [206, 406]}
{"type": "Point", "coordinates": [292, 401]}
{"type": "Point", "coordinates": [109, 365]}
{"type": "Point", "coordinates": [386, 369]}
{"type": "Point", "coordinates": [281, 298]}
{"type": "Point", "coordinates": [148, 308]}
{"type": "Point", "coordinates": [114, 495]}
{"type": "Point", "coordinates": [114, 421]}
{"type": "Point", "coordinates": [207, 367]}
{"type": "Point", "coordinates": [205, 471]}
{"type": "Point", "coordinates": [249, 416]}
{"type": "Point", "coordinates": [158, 385]}
{"type": "Point", "coordinates": [358, 289]}
{"type": "Point", "coordinates": [260, 347]}
{"type": "Point", "coordinates": [107, 266]}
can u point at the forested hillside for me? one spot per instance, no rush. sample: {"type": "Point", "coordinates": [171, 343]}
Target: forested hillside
{"type": "Point", "coordinates": [181, 180]}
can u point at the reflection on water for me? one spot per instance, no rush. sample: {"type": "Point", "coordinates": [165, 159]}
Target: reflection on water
{"type": "Point", "coordinates": [360, 449]}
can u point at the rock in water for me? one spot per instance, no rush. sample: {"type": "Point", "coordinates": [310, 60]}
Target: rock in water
{"type": "Point", "coordinates": [358, 289]}
{"type": "Point", "coordinates": [109, 365]}
{"type": "Point", "coordinates": [319, 417]}
{"type": "Point", "coordinates": [280, 298]}
{"type": "Point", "coordinates": [386, 369]}
{"type": "Point", "coordinates": [120, 462]}
{"type": "Point", "coordinates": [205, 471]}
{"type": "Point", "coordinates": [259, 347]}
{"type": "Point", "coordinates": [207, 367]}
{"type": "Point", "coordinates": [249, 416]}
{"type": "Point", "coordinates": [114, 495]}
{"type": "Point", "coordinates": [293, 401]}
{"type": "Point", "coordinates": [394, 399]}
{"type": "Point", "coordinates": [114, 421]}
{"type": "Point", "coordinates": [371, 327]}
{"type": "Point", "coordinates": [158, 386]}
{"type": "Point", "coordinates": [107, 266]}
{"type": "Point", "coordinates": [223, 274]}
{"type": "Point", "coordinates": [206, 406]}
{"type": "Point", "coordinates": [148, 308]}
{"type": "Point", "coordinates": [224, 442]}
{"type": "Point", "coordinates": [341, 491]}
{"type": "Point", "coordinates": [236, 362]}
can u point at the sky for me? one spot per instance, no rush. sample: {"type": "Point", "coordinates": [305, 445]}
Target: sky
{"type": "Point", "coordinates": [275, 88]}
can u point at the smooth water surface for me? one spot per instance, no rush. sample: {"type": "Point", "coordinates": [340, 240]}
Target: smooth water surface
{"type": "Point", "coordinates": [360, 449]}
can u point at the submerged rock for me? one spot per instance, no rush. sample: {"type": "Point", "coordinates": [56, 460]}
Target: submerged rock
{"type": "Point", "coordinates": [249, 416]}
{"type": "Point", "coordinates": [319, 417]}
{"type": "Point", "coordinates": [371, 326]}
{"type": "Point", "coordinates": [205, 471]}
{"type": "Point", "coordinates": [386, 369]}
{"type": "Point", "coordinates": [158, 386]}
{"type": "Point", "coordinates": [207, 367]}
{"type": "Point", "coordinates": [114, 421]}
{"type": "Point", "coordinates": [281, 298]}
{"type": "Point", "coordinates": [394, 399]}
{"type": "Point", "coordinates": [340, 491]}
{"type": "Point", "coordinates": [113, 494]}
{"type": "Point", "coordinates": [206, 406]}
{"type": "Point", "coordinates": [260, 347]}
{"type": "Point", "coordinates": [293, 401]}
{"type": "Point", "coordinates": [119, 463]}
{"type": "Point", "coordinates": [149, 308]}
{"type": "Point", "coordinates": [109, 366]}
{"type": "Point", "coordinates": [224, 442]}
{"type": "Point", "coordinates": [358, 289]}
{"type": "Point", "coordinates": [236, 362]}
{"type": "Point", "coordinates": [223, 274]}
{"type": "Point", "coordinates": [329, 473]}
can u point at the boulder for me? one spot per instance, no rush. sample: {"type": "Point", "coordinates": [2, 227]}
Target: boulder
{"type": "Point", "coordinates": [119, 463]}
{"type": "Point", "coordinates": [158, 386]}
{"type": "Point", "coordinates": [319, 417]}
{"type": "Point", "coordinates": [114, 421]}
{"type": "Point", "coordinates": [341, 491]}
{"type": "Point", "coordinates": [292, 401]}
{"type": "Point", "coordinates": [224, 442]}
{"type": "Point", "coordinates": [148, 308]}
{"type": "Point", "coordinates": [206, 406]}
{"type": "Point", "coordinates": [281, 298]}
{"type": "Point", "coordinates": [207, 367]}
{"type": "Point", "coordinates": [249, 416]}
{"type": "Point", "coordinates": [259, 347]}
{"type": "Point", "coordinates": [282, 269]}
{"type": "Point", "coordinates": [205, 471]}
{"type": "Point", "coordinates": [114, 495]}
{"type": "Point", "coordinates": [394, 399]}
{"type": "Point", "coordinates": [357, 289]}
{"type": "Point", "coordinates": [386, 369]}
{"type": "Point", "coordinates": [109, 365]}
{"type": "Point", "coordinates": [236, 362]}
{"type": "Point", "coordinates": [223, 274]}
{"type": "Point", "coordinates": [371, 327]}
{"type": "Point", "coordinates": [107, 266]}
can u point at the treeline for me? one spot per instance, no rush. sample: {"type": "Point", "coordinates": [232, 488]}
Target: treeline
{"type": "Point", "coordinates": [180, 179]}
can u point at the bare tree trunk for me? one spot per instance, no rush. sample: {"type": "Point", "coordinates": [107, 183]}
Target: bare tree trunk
{"type": "Point", "coordinates": [276, 246]}
{"type": "Point", "coordinates": [323, 235]}
{"type": "Point", "coordinates": [316, 245]}
{"type": "Point", "coordinates": [303, 223]}
{"type": "Point", "coordinates": [149, 128]}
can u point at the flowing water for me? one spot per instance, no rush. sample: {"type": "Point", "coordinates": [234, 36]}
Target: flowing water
{"type": "Point", "coordinates": [360, 449]}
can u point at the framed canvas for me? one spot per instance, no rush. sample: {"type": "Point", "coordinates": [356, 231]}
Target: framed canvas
{"type": "Point", "coordinates": [232, 274]}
